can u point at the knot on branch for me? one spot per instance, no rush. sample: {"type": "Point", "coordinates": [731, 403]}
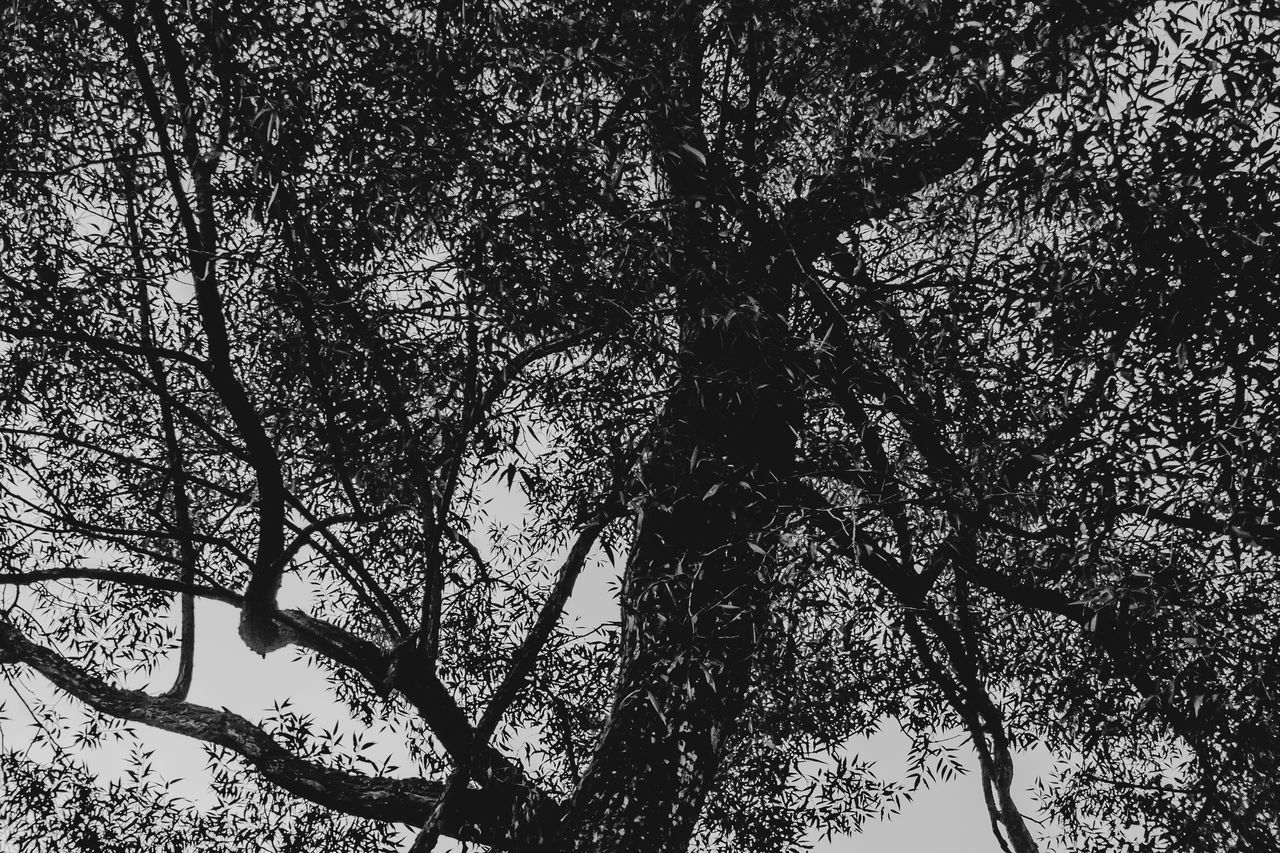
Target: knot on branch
{"type": "Point", "coordinates": [261, 632]}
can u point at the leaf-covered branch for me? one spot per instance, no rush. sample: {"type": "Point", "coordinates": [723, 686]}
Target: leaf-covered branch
{"type": "Point", "coordinates": [477, 816]}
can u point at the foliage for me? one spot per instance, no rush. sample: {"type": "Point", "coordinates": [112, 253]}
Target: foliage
{"type": "Point", "coordinates": [910, 363]}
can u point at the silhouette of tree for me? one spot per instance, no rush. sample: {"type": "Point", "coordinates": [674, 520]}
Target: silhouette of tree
{"type": "Point", "coordinates": [913, 360]}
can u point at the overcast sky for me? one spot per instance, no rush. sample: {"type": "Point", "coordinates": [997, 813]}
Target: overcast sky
{"type": "Point", "coordinates": [950, 816]}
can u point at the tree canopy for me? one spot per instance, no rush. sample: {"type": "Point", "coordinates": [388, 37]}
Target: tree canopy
{"type": "Point", "coordinates": [910, 362]}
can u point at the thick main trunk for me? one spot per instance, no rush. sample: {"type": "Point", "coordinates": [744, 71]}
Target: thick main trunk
{"type": "Point", "coordinates": [694, 596]}
{"type": "Point", "coordinates": [695, 590]}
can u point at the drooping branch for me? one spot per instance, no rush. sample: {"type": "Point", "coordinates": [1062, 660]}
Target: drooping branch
{"type": "Point", "coordinates": [965, 652]}
{"type": "Point", "coordinates": [854, 540]}
{"type": "Point", "coordinates": [482, 816]}
{"type": "Point", "coordinates": [60, 520]}
{"type": "Point", "coordinates": [126, 459]}
{"type": "Point", "coordinates": [431, 505]}
{"type": "Point", "coordinates": [875, 184]}
{"type": "Point", "coordinates": [189, 414]}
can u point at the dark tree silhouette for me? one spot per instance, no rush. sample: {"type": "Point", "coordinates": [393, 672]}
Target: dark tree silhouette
{"type": "Point", "coordinates": [916, 361]}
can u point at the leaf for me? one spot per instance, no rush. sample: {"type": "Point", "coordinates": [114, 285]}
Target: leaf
{"type": "Point", "coordinates": [695, 153]}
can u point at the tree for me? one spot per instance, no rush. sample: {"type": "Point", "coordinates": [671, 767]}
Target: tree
{"type": "Point", "coordinates": [916, 360]}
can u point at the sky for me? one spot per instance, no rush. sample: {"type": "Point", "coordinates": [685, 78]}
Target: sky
{"type": "Point", "coordinates": [949, 816]}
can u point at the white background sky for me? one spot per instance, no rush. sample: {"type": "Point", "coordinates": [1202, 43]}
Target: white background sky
{"type": "Point", "coordinates": [950, 816]}
{"type": "Point", "coordinates": [947, 817]}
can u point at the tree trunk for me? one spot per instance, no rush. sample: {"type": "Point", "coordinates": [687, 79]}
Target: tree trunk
{"type": "Point", "coordinates": [695, 588]}
{"type": "Point", "coordinates": [694, 595]}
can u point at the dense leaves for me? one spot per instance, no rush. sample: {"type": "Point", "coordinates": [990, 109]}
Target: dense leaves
{"type": "Point", "coordinates": [896, 365]}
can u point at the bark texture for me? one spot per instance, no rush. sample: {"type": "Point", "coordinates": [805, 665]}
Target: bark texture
{"type": "Point", "coordinates": [694, 597]}
{"type": "Point", "coordinates": [695, 588]}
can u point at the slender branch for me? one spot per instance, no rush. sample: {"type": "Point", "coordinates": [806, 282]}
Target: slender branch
{"type": "Point", "coordinates": [303, 629]}
{"type": "Point", "coordinates": [123, 541]}
{"type": "Point", "coordinates": [460, 539]}
{"type": "Point", "coordinates": [97, 342]}
{"type": "Point", "coordinates": [123, 458]}
{"type": "Point", "coordinates": [846, 370]}
{"type": "Point", "coordinates": [188, 554]}
{"type": "Point", "coordinates": [82, 164]}
{"type": "Point", "coordinates": [523, 660]}
{"type": "Point", "coordinates": [513, 368]}
{"type": "Point", "coordinates": [962, 646]}
{"type": "Point", "coordinates": [213, 593]}
{"type": "Point", "coordinates": [350, 566]}
{"type": "Point", "coordinates": [855, 540]}
{"type": "Point", "coordinates": [1263, 536]}
{"type": "Point", "coordinates": [966, 692]}
{"type": "Point", "coordinates": [478, 408]}
{"type": "Point", "coordinates": [423, 482]}
{"type": "Point", "coordinates": [955, 697]}
{"type": "Point", "coordinates": [222, 442]}
{"type": "Point", "coordinates": [111, 533]}
{"type": "Point", "coordinates": [436, 518]}
{"type": "Point", "coordinates": [424, 691]}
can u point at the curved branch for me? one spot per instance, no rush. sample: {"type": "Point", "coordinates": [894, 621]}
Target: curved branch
{"type": "Point", "coordinates": [474, 815]}
{"type": "Point", "coordinates": [381, 669]}
{"type": "Point", "coordinates": [200, 227]}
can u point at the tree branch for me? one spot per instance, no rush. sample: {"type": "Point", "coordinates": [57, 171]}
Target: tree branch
{"type": "Point", "coordinates": [521, 665]}
{"type": "Point", "coordinates": [97, 342]}
{"type": "Point", "coordinates": [871, 185]}
{"type": "Point", "coordinates": [1263, 536]}
{"type": "Point", "coordinates": [187, 551]}
{"type": "Point", "coordinates": [199, 224]}
{"type": "Point", "coordinates": [473, 815]}
{"type": "Point", "coordinates": [350, 566]}
{"type": "Point", "coordinates": [965, 692]}
{"type": "Point", "coordinates": [424, 691]}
